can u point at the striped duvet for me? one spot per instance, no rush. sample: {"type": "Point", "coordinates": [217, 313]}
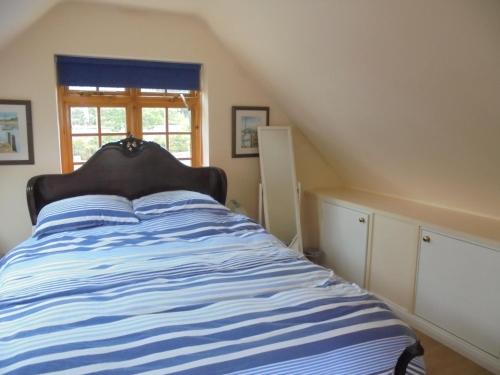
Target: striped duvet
{"type": "Point", "coordinates": [199, 291]}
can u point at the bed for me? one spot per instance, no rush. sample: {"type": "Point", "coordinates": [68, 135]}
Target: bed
{"type": "Point", "coordinates": [199, 291]}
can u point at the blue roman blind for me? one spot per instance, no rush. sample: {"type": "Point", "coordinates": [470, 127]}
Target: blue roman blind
{"type": "Point", "coordinates": [84, 71]}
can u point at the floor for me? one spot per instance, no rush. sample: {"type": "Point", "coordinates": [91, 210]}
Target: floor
{"type": "Point", "coordinates": [441, 360]}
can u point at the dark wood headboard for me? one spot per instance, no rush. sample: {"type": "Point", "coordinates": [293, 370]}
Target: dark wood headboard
{"type": "Point", "coordinates": [131, 168]}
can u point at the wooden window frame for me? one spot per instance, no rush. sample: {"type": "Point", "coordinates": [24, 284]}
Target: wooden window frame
{"type": "Point", "coordinates": [133, 100]}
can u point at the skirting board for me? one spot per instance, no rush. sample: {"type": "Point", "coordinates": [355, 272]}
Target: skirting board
{"type": "Point", "coordinates": [446, 338]}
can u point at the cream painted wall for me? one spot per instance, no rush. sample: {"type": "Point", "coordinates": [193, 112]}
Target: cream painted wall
{"type": "Point", "coordinates": [27, 72]}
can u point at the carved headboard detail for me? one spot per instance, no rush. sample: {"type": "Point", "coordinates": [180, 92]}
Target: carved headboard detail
{"type": "Point", "coordinates": [131, 168]}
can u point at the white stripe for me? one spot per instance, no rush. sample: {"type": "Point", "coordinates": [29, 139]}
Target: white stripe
{"type": "Point", "coordinates": [135, 304]}
{"type": "Point", "coordinates": [55, 223]}
{"type": "Point", "coordinates": [225, 357]}
{"type": "Point", "coordinates": [180, 208]}
{"type": "Point", "coordinates": [199, 333]}
{"type": "Point", "coordinates": [141, 323]}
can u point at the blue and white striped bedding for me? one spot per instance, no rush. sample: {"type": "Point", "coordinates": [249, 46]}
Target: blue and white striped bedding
{"type": "Point", "coordinates": [165, 202]}
{"type": "Point", "coordinates": [84, 212]}
{"type": "Point", "coordinates": [194, 292]}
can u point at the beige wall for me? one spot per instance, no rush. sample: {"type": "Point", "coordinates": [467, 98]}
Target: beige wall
{"type": "Point", "coordinates": [27, 72]}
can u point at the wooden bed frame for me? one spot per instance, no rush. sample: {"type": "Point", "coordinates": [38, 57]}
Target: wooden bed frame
{"type": "Point", "coordinates": [133, 168]}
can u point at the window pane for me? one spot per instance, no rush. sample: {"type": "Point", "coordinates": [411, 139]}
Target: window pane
{"type": "Point", "coordinates": [112, 89]}
{"type": "Point", "coordinates": [161, 139]}
{"type": "Point", "coordinates": [178, 91]}
{"type": "Point", "coordinates": [187, 162]}
{"type": "Point", "coordinates": [179, 120]}
{"type": "Point", "coordinates": [153, 91]}
{"type": "Point", "coordinates": [82, 88]}
{"type": "Point", "coordinates": [112, 138]}
{"type": "Point", "coordinates": [83, 120]}
{"type": "Point", "coordinates": [76, 166]}
{"type": "Point", "coordinates": [84, 147]}
{"type": "Point", "coordinates": [153, 120]}
{"type": "Point", "coordinates": [180, 145]}
{"type": "Point", "coordinates": [113, 120]}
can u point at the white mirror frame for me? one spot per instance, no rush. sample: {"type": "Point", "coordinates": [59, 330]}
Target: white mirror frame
{"type": "Point", "coordinates": [296, 242]}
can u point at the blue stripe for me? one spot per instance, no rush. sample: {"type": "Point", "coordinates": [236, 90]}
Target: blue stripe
{"type": "Point", "coordinates": [169, 205]}
{"type": "Point", "coordinates": [86, 212]}
{"type": "Point", "coordinates": [245, 331]}
{"type": "Point", "coordinates": [60, 216]}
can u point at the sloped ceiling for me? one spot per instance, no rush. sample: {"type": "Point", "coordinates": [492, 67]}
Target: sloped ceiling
{"type": "Point", "coordinates": [17, 15]}
{"type": "Point", "coordinates": [401, 97]}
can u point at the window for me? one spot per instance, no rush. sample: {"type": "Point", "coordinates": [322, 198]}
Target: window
{"type": "Point", "coordinates": [93, 116]}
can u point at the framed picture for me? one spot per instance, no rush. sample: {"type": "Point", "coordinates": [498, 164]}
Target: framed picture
{"type": "Point", "coordinates": [246, 120]}
{"type": "Point", "coordinates": [16, 133]}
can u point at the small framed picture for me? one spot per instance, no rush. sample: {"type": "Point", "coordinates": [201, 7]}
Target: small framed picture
{"type": "Point", "coordinates": [246, 120]}
{"type": "Point", "coordinates": [16, 133]}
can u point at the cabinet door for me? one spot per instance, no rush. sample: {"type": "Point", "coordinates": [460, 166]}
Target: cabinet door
{"type": "Point", "coordinates": [394, 259]}
{"type": "Point", "coordinates": [343, 239]}
{"type": "Point", "coordinates": [458, 289]}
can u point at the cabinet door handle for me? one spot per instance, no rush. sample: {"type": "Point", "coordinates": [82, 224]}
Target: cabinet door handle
{"type": "Point", "coordinates": [361, 220]}
{"type": "Point", "coordinates": [426, 239]}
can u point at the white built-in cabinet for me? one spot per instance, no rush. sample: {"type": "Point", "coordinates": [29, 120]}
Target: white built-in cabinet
{"type": "Point", "coordinates": [439, 269]}
{"type": "Point", "coordinates": [458, 289]}
{"type": "Point", "coordinates": [343, 240]}
{"type": "Point", "coordinates": [394, 259]}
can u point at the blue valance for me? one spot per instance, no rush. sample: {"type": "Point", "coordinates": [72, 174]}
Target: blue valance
{"type": "Point", "coordinates": [83, 71]}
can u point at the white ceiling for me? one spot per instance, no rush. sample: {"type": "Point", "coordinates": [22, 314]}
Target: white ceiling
{"type": "Point", "coordinates": [401, 97]}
